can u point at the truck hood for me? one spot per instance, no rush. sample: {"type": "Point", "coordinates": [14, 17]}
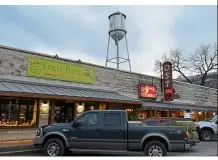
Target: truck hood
{"type": "Point", "coordinates": [203, 123]}
{"type": "Point", "coordinates": [57, 125]}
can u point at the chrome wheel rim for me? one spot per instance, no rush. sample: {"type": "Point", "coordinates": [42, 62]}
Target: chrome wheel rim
{"type": "Point", "coordinates": [53, 149]}
{"type": "Point", "coordinates": [206, 136]}
{"type": "Point", "coordinates": [155, 151]}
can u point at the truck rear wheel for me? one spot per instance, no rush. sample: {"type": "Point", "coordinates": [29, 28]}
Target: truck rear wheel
{"type": "Point", "coordinates": [155, 149]}
{"type": "Point", "coordinates": [54, 147]}
{"type": "Point", "coordinates": [206, 135]}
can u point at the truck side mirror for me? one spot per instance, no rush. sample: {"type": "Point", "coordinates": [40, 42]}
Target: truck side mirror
{"type": "Point", "coordinates": [74, 124]}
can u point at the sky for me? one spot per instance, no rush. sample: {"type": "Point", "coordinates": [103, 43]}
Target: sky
{"type": "Point", "coordinates": [81, 32]}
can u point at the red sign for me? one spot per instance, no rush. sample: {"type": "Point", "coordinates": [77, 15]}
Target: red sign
{"type": "Point", "coordinates": [168, 81]}
{"type": "Point", "coordinates": [147, 91]}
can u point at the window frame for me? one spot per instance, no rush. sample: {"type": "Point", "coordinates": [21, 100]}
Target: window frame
{"type": "Point", "coordinates": [92, 125]}
{"type": "Point", "coordinates": [110, 125]}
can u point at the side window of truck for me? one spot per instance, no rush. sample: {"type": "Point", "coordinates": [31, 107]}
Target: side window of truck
{"type": "Point", "coordinates": [88, 119]}
{"type": "Point", "coordinates": [112, 119]}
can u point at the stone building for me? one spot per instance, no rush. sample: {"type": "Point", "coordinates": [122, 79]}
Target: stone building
{"type": "Point", "coordinates": [38, 89]}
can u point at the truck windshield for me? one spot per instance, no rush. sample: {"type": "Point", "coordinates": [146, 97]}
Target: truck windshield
{"type": "Point", "coordinates": [212, 119]}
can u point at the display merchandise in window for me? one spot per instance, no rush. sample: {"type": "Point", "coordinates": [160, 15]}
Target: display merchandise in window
{"type": "Point", "coordinates": [14, 112]}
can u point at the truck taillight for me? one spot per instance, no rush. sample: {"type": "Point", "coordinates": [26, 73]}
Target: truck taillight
{"type": "Point", "coordinates": [185, 135]}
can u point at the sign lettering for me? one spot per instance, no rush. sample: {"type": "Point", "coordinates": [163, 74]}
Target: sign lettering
{"type": "Point", "coordinates": [167, 81]}
{"type": "Point", "coordinates": [147, 91]}
{"type": "Point", "coordinates": [52, 69]}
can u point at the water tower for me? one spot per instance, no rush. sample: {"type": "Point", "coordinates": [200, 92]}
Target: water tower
{"type": "Point", "coordinates": [117, 32]}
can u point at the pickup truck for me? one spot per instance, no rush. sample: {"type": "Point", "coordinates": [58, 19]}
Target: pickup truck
{"type": "Point", "coordinates": [206, 129]}
{"type": "Point", "coordinates": [109, 130]}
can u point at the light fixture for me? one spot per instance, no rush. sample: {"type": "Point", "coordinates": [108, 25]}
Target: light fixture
{"type": "Point", "coordinates": [199, 112]}
{"type": "Point", "coordinates": [129, 110]}
{"type": "Point", "coordinates": [214, 113]}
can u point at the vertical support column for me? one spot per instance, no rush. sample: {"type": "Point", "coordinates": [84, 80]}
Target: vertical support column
{"type": "Point", "coordinates": [52, 112]}
{"type": "Point", "coordinates": [102, 106]}
{"type": "Point", "coordinates": [35, 106]}
{"type": "Point", "coordinates": [168, 113]}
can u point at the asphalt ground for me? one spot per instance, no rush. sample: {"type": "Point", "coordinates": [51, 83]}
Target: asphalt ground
{"type": "Point", "coordinates": [201, 149]}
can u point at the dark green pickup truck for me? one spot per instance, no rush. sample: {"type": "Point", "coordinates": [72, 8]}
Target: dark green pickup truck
{"type": "Point", "coordinates": [109, 130]}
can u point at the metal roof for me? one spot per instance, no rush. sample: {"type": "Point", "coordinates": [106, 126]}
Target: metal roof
{"type": "Point", "coordinates": [57, 90]}
{"type": "Point", "coordinates": [172, 105]}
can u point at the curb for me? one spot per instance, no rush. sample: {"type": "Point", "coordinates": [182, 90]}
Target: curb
{"type": "Point", "coordinates": [17, 148]}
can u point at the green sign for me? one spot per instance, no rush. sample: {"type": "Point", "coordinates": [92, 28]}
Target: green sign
{"type": "Point", "coordinates": [52, 69]}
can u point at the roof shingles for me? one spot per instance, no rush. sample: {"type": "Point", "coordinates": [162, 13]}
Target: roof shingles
{"type": "Point", "coordinates": [38, 88]}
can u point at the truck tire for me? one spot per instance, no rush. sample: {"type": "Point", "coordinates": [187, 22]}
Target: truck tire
{"type": "Point", "coordinates": [54, 147]}
{"type": "Point", "coordinates": [155, 149]}
{"type": "Point", "coordinates": [206, 135]}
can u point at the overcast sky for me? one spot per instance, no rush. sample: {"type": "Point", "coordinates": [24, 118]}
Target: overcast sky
{"type": "Point", "coordinates": [80, 32]}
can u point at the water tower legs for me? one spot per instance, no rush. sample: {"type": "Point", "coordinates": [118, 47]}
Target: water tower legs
{"type": "Point", "coordinates": [118, 59]}
{"type": "Point", "coordinates": [128, 53]}
{"type": "Point", "coordinates": [108, 45]}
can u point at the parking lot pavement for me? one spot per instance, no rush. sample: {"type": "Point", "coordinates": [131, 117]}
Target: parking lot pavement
{"type": "Point", "coordinates": [202, 149]}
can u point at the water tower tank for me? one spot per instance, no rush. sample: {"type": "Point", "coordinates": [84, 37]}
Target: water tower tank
{"type": "Point", "coordinates": [117, 26]}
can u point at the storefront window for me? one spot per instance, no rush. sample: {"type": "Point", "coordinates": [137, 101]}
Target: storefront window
{"type": "Point", "coordinates": [92, 106]}
{"type": "Point", "coordinates": [64, 112]}
{"type": "Point", "coordinates": [143, 114]}
{"type": "Point", "coordinates": [14, 112]}
{"type": "Point", "coordinates": [177, 114]}
{"type": "Point", "coordinates": [161, 113]}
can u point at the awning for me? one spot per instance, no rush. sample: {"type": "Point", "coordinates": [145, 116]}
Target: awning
{"type": "Point", "coordinates": [159, 105]}
{"type": "Point", "coordinates": [42, 90]}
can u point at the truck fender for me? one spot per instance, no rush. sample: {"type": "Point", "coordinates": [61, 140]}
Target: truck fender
{"type": "Point", "coordinates": [59, 134]}
{"type": "Point", "coordinates": [207, 128]}
{"type": "Point", "coordinates": [156, 135]}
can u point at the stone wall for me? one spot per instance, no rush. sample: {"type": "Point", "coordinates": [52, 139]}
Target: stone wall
{"type": "Point", "coordinates": [13, 62]}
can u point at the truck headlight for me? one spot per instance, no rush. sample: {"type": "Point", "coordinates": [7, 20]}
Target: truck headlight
{"type": "Point", "coordinates": [39, 132]}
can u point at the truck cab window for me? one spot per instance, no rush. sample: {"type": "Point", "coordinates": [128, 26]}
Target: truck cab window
{"type": "Point", "coordinates": [112, 119]}
{"type": "Point", "coordinates": [88, 119]}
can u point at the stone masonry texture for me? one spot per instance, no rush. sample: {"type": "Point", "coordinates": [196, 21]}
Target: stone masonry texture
{"type": "Point", "coordinates": [13, 62]}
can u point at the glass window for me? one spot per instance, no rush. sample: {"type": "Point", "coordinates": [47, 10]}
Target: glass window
{"type": "Point", "coordinates": [26, 112]}
{"type": "Point", "coordinates": [14, 112]}
{"type": "Point", "coordinates": [91, 106]}
{"type": "Point", "coordinates": [112, 119]}
{"type": "Point", "coordinates": [9, 112]}
{"type": "Point", "coordinates": [88, 119]}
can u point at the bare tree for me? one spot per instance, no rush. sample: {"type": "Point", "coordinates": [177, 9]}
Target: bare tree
{"type": "Point", "coordinates": [204, 60]}
{"type": "Point", "coordinates": [179, 63]}
{"type": "Point", "coordinates": [200, 63]}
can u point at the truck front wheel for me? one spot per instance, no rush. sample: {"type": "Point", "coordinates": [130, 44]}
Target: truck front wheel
{"type": "Point", "coordinates": [206, 135]}
{"type": "Point", "coordinates": [54, 147]}
{"type": "Point", "coordinates": [155, 149]}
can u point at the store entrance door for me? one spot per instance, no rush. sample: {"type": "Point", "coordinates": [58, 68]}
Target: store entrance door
{"type": "Point", "coordinates": [64, 112]}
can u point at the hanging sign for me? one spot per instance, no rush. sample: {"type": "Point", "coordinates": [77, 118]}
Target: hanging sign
{"type": "Point", "coordinates": [168, 81]}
